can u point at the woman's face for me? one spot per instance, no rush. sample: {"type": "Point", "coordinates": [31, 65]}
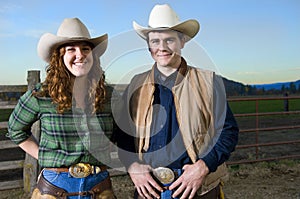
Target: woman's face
{"type": "Point", "coordinates": [78, 58]}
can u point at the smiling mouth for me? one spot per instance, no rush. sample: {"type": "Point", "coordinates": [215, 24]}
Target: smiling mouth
{"type": "Point", "coordinates": [164, 55]}
{"type": "Point", "coordinates": [79, 63]}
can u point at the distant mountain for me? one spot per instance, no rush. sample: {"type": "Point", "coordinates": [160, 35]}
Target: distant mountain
{"type": "Point", "coordinates": [277, 86]}
{"type": "Point", "coordinates": [233, 88]}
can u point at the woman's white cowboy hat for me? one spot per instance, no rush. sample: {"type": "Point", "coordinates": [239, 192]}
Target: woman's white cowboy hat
{"type": "Point", "coordinates": [70, 30]}
{"type": "Point", "coordinates": [163, 17]}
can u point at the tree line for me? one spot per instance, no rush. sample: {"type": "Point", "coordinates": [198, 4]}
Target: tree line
{"type": "Point", "coordinates": [238, 89]}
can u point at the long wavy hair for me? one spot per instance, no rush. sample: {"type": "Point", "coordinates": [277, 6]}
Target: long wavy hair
{"type": "Point", "coordinates": [59, 83]}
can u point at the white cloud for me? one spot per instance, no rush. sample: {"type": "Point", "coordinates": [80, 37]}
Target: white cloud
{"type": "Point", "coordinates": [248, 73]}
{"type": "Point", "coordinates": [34, 33]}
{"type": "Point", "coordinates": [8, 8]}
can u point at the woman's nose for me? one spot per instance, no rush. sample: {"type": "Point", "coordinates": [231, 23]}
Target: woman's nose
{"type": "Point", "coordinates": [79, 54]}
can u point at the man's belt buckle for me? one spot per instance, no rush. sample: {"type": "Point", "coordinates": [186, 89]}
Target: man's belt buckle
{"type": "Point", "coordinates": [164, 175]}
{"type": "Point", "coordinates": [80, 170]}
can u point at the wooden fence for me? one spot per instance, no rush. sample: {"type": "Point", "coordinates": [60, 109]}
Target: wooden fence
{"type": "Point", "coordinates": [9, 165]}
{"type": "Point", "coordinates": [29, 165]}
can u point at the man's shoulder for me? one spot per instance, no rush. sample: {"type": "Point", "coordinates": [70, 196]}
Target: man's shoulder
{"type": "Point", "coordinates": [141, 77]}
{"type": "Point", "coordinates": [201, 70]}
{"type": "Point", "coordinates": [143, 74]}
{"type": "Point", "coordinates": [204, 73]}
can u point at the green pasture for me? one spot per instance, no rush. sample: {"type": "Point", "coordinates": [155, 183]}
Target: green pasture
{"type": "Point", "coordinates": [4, 114]}
{"type": "Point", "coordinates": [238, 107]}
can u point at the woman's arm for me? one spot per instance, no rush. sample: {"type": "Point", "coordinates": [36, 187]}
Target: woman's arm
{"type": "Point", "coordinates": [31, 147]}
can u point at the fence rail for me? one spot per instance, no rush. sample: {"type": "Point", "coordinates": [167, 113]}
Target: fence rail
{"type": "Point", "coordinates": [258, 130]}
{"type": "Point", "coordinates": [9, 165]}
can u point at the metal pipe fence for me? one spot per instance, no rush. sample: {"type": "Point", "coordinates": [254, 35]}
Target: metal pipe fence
{"type": "Point", "coordinates": [258, 130]}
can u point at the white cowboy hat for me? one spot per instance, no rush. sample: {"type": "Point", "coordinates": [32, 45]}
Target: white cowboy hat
{"type": "Point", "coordinates": [163, 17]}
{"type": "Point", "coordinates": [70, 30]}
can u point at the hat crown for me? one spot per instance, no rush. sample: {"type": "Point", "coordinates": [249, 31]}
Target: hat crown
{"type": "Point", "coordinates": [163, 16]}
{"type": "Point", "coordinates": [73, 28]}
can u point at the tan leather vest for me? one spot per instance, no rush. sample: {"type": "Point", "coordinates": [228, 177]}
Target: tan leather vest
{"type": "Point", "coordinates": [193, 97]}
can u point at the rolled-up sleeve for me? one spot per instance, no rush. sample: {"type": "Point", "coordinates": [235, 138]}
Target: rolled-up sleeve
{"type": "Point", "coordinates": [23, 116]}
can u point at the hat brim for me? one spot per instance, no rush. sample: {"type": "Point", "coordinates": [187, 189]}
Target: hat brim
{"type": "Point", "coordinates": [190, 28]}
{"type": "Point", "coordinates": [48, 42]}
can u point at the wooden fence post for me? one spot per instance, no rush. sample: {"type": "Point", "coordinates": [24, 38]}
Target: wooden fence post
{"type": "Point", "coordinates": [31, 167]}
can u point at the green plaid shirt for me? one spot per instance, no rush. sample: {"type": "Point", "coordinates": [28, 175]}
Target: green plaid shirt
{"type": "Point", "coordinates": [67, 138]}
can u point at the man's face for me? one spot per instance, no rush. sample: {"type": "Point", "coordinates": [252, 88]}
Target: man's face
{"type": "Point", "coordinates": [165, 47]}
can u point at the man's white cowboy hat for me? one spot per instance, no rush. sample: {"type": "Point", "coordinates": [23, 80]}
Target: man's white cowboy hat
{"type": "Point", "coordinates": [70, 30]}
{"type": "Point", "coordinates": [163, 17]}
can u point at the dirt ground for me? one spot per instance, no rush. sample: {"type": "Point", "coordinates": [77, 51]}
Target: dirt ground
{"type": "Point", "coordinates": [250, 181]}
{"type": "Point", "coordinates": [266, 180]}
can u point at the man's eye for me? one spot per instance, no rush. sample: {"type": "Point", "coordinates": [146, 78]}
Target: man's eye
{"type": "Point", "coordinates": [169, 41]}
{"type": "Point", "coordinates": [155, 42]}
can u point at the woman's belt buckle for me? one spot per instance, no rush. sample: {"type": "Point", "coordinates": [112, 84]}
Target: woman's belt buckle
{"type": "Point", "coordinates": [164, 175]}
{"type": "Point", "coordinates": [80, 170]}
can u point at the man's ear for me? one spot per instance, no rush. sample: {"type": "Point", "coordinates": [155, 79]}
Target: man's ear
{"type": "Point", "coordinates": [183, 41]}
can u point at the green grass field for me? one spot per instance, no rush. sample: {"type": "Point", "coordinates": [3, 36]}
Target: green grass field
{"type": "Point", "coordinates": [263, 106]}
{"type": "Point", "coordinates": [236, 106]}
{"type": "Point", "coordinates": [4, 114]}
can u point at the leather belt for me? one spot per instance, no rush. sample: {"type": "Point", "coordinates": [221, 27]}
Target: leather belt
{"type": "Point", "coordinates": [80, 170]}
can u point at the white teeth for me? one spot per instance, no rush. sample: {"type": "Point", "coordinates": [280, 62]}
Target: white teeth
{"type": "Point", "coordinates": [79, 63]}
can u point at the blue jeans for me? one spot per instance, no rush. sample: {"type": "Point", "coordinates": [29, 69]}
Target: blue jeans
{"type": "Point", "coordinates": [65, 181]}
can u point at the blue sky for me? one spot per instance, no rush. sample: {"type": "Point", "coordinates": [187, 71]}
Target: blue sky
{"type": "Point", "coordinates": [249, 41]}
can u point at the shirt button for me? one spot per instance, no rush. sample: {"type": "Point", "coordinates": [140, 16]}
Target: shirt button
{"type": "Point", "coordinates": [161, 126]}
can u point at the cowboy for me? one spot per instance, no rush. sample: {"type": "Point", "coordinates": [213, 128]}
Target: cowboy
{"type": "Point", "coordinates": [73, 147]}
{"type": "Point", "coordinates": [179, 129]}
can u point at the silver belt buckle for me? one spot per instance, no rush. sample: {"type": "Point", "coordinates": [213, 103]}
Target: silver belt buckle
{"type": "Point", "coordinates": [80, 170]}
{"type": "Point", "coordinates": [164, 175]}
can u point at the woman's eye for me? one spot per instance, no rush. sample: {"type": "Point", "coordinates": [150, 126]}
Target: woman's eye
{"type": "Point", "coordinates": [87, 49]}
{"type": "Point", "coordinates": [70, 49]}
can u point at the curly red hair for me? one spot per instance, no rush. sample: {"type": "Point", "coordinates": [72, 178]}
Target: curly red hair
{"type": "Point", "coordinates": [59, 83]}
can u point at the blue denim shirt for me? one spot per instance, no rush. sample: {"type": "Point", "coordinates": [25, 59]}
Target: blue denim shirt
{"type": "Point", "coordinates": [164, 127]}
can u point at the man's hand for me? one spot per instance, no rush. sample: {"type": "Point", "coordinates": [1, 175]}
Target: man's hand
{"type": "Point", "coordinates": [191, 180]}
{"type": "Point", "coordinates": [146, 186]}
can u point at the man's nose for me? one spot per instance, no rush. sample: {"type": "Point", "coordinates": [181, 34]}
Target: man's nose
{"type": "Point", "coordinates": [162, 45]}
